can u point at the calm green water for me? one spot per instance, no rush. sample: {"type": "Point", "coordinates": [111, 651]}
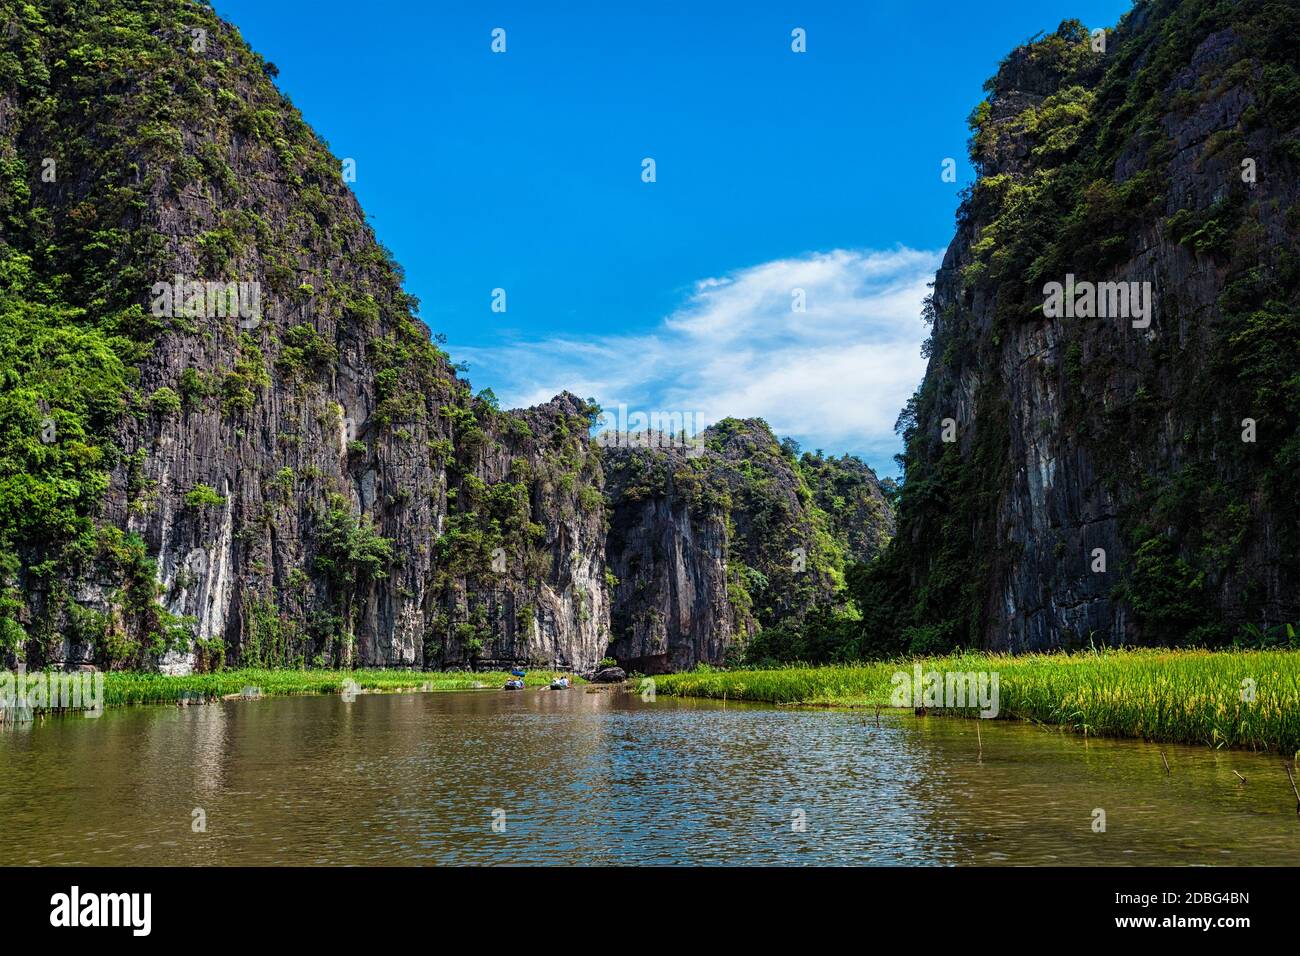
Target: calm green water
{"type": "Point", "coordinates": [605, 778]}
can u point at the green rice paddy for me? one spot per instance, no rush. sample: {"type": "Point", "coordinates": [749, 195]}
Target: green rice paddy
{"type": "Point", "coordinates": [1248, 699]}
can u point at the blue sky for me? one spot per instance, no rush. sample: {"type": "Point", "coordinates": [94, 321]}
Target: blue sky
{"type": "Point", "coordinates": [775, 171]}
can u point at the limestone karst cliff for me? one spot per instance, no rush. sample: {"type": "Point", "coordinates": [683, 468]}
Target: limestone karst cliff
{"type": "Point", "coordinates": [712, 542]}
{"type": "Point", "coordinates": [1091, 473]}
{"type": "Point", "coordinates": [302, 476]}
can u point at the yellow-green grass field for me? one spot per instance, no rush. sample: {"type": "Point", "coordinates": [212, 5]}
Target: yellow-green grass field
{"type": "Point", "coordinates": [130, 687]}
{"type": "Point", "coordinates": [1248, 699]}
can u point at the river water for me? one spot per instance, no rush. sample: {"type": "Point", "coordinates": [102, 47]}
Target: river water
{"type": "Point", "coordinates": [602, 777]}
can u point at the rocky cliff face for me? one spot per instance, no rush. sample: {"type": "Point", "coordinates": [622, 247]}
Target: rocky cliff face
{"type": "Point", "coordinates": [298, 469]}
{"type": "Point", "coordinates": [226, 435]}
{"type": "Point", "coordinates": [1088, 473]}
{"type": "Point", "coordinates": [713, 541]}
{"type": "Point", "coordinates": [668, 554]}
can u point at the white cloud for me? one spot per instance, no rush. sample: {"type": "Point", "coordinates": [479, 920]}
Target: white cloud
{"type": "Point", "coordinates": [833, 377]}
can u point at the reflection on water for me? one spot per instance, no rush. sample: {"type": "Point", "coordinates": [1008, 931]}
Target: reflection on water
{"type": "Point", "coordinates": [605, 778]}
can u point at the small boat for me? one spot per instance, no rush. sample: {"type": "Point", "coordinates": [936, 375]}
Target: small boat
{"type": "Point", "coordinates": [560, 683]}
{"type": "Point", "coordinates": [517, 673]}
{"type": "Point", "coordinates": [514, 685]}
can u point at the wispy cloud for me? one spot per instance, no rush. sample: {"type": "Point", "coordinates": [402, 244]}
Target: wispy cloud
{"type": "Point", "coordinates": [833, 376]}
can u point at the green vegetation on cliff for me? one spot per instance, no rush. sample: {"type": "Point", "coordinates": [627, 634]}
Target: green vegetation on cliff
{"type": "Point", "coordinates": [144, 141]}
{"type": "Point", "coordinates": [779, 528]}
{"type": "Point", "coordinates": [103, 105]}
{"type": "Point", "coordinates": [1104, 165]}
